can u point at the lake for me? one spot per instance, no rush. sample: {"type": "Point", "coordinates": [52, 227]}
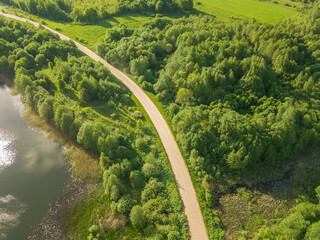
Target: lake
{"type": "Point", "coordinates": [33, 172]}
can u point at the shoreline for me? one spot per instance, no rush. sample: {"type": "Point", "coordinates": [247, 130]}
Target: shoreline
{"type": "Point", "coordinates": [76, 189]}
{"type": "Point", "coordinates": [51, 226]}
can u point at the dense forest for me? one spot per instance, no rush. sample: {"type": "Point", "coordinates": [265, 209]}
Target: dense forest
{"type": "Point", "coordinates": [88, 11]}
{"type": "Point", "coordinates": [84, 101]}
{"type": "Point", "coordinates": [241, 96]}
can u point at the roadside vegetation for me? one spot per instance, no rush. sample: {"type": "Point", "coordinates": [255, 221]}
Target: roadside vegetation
{"type": "Point", "coordinates": [89, 33]}
{"type": "Point", "coordinates": [90, 11]}
{"type": "Point", "coordinates": [241, 96]}
{"type": "Point", "coordinates": [135, 195]}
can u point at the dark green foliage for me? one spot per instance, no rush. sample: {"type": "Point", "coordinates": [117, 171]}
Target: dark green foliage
{"type": "Point", "coordinates": [186, 4]}
{"type": "Point", "coordinates": [136, 179]}
{"type": "Point", "coordinates": [4, 65]}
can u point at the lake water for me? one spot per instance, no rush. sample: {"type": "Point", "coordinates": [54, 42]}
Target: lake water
{"type": "Point", "coordinates": [32, 171]}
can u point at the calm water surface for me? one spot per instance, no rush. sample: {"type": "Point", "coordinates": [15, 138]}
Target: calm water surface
{"type": "Point", "coordinates": [32, 171]}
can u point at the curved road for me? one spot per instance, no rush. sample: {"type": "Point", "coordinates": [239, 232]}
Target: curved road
{"type": "Point", "coordinates": [197, 227]}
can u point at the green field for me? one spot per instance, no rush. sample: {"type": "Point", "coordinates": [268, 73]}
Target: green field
{"type": "Point", "coordinates": [89, 34]}
{"type": "Point", "coordinates": [265, 11]}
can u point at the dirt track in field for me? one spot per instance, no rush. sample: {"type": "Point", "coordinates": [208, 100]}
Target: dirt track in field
{"type": "Point", "coordinates": [192, 210]}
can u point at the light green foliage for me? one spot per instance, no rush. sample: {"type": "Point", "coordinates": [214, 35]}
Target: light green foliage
{"type": "Point", "coordinates": [229, 89]}
{"type": "Point", "coordinates": [125, 205]}
{"type": "Point", "coordinates": [85, 135]}
{"type": "Point", "coordinates": [46, 109]}
{"type": "Point", "coordinates": [137, 217]}
{"type": "Point", "coordinates": [22, 81]}
{"type": "Point", "coordinates": [267, 11]}
{"type": "Point", "coordinates": [173, 235]}
{"type": "Point", "coordinates": [157, 210]}
{"type": "Point", "coordinates": [150, 170]}
{"type": "Point", "coordinates": [301, 223]}
{"type": "Point", "coordinates": [152, 189]}
{"type": "Point", "coordinates": [313, 232]}
{"type": "Point", "coordinates": [184, 96]}
{"type": "Point", "coordinates": [139, 66]}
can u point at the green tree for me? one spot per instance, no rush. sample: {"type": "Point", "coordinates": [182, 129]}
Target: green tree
{"type": "Point", "coordinates": [184, 96]}
{"type": "Point", "coordinates": [150, 170]}
{"type": "Point", "coordinates": [139, 66]}
{"type": "Point", "coordinates": [125, 204]}
{"type": "Point", "coordinates": [22, 81]}
{"type": "Point", "coordinates": [46, 110]}
{"type": "Point", "coordinates": [152, 190]}
{"type": "Point", "coordinates": [85, 135]}
{"type": "Point", "coordinates": [186, 5]}
{"type": "Point", "coordinates": [136, 179]}
{"type": "Point", "coordinates": [137, 217]}
{"type": "Point", "coordinates": [4, 65]}
{"type": "Point", "coordinates": [313, 232]}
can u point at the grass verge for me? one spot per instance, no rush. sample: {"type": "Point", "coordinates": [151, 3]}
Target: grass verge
{"type": "Point", "coordinates": [89, 34]}
{"type": "Point", "coordinates": [210, 216]}
{"type": "Point", "coordinates": [175, 196]}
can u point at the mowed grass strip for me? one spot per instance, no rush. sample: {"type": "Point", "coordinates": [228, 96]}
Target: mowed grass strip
{"type": "Point", "coordinates": [265, 11]}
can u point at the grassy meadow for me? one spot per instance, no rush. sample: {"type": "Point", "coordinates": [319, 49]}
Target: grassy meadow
{"type": "Point", "coordinates": [87, 34]}
{"type": "Point", "coordinates": [265, 11]}
{"type": "Point", "coordinates": [90, 34]}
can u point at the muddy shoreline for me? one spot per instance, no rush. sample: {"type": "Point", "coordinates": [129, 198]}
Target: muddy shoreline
{"type": "Point", "coordinates": [52, 226]}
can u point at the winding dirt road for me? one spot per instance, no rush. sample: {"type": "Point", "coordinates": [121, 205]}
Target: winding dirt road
{"type": "Point", "coordinates": [197, 227]}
